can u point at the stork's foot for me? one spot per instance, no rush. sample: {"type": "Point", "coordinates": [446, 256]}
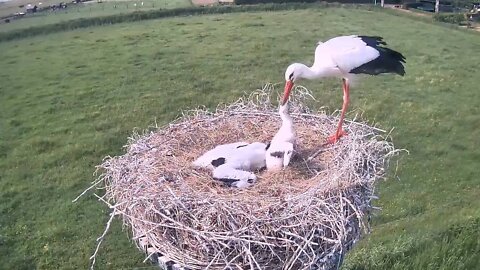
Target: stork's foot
{"type": "Point", "coordinates": [336, 137]}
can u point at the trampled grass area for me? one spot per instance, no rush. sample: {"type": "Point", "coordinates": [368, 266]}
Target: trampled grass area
{"type": "Point", "coordinates": [89, 10]}
{"type": "Point", "coordinates": [69, 99]}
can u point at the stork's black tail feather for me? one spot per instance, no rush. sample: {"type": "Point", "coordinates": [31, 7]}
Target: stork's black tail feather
{"type": "Point", "coordinates": [389, 61]}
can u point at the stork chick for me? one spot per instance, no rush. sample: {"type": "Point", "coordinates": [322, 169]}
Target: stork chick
{"type": "Point", "coordinates": [205, 161]}
{"type": "Point", "coordinates": [234, 163]}
{"type": "Point", "coordinates": [281, 147]}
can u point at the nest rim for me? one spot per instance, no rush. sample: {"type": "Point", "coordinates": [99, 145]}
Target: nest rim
{"type": "Point", "coordinates": [349, 203]}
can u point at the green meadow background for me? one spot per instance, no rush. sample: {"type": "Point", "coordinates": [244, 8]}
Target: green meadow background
{"type": "Point", "coordinates": [70, 98]}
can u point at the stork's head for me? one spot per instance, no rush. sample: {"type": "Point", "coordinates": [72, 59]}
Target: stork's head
{"type": "Point", "coordinates": [292, 73]}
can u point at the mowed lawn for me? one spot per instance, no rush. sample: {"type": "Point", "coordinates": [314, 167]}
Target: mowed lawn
{"type": "Point", "coordinates": [69, 99]}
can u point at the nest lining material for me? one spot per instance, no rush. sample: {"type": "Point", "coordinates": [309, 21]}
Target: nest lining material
{"type": "Point", "coordinates": [305, 217]}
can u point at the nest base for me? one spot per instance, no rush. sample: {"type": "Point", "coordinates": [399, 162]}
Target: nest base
{"type": "Point", "coordinates": [305, 217]}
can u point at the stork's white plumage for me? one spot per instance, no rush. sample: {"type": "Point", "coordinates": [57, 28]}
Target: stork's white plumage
{"type": "Point", "coordinates": [234, 177]}
{"type": "Point", "coordinates": [234, 163]}
{"type": "Point", "coordinates": [279, 155]}
{"type": "Point", "coordinates": [250, 157]}
{"type": "Point", "coordinates": [281, 147]}
{"type": "Point", "coordinates": [345, 57]}
{"type": "Point", "coordinates": [205, 160]}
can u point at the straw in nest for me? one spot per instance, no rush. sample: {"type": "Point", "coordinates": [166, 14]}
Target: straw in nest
{"type": "Point", "coordinates": [305, 217]}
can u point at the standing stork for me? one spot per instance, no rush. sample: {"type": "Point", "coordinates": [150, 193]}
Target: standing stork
{"type": "Point", "coordinates": [345, 57]}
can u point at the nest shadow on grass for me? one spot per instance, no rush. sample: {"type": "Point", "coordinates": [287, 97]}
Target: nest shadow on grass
{"type": "Point", "coordinates": [305, 217]}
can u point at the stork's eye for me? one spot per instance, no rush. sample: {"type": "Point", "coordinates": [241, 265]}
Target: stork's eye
{"type": "Point", "coordinates": [291, 76]}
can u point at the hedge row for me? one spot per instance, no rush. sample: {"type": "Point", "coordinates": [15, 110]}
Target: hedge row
{"type": "Point", "coordinates": [455, 18]}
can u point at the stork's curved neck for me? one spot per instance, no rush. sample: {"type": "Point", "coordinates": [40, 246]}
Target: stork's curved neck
{"type": "Point", "coordinates": [286, 118]}
{"type": "Point", "coordinates": [287, 121]}
{"type": "Point", "coordinates": [309, 73]}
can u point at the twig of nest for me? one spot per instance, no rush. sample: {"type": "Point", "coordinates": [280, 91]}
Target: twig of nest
{"type": "Point", "coordinates": [305, 217]}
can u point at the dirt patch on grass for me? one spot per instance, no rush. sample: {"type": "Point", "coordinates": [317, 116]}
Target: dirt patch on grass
{"type": "Point", "coordinates": [204, 2]}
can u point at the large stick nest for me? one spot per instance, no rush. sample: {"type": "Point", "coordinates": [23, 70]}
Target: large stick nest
{"type": "Point", "coordinates": [305, 217]}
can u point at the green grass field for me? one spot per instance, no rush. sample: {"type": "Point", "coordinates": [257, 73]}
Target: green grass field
{"type": "Point", "coordinates": [69, 99]}
{"type": "Point", "coordinates": [76, 11]}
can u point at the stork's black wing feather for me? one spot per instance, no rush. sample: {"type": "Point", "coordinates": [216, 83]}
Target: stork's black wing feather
{"type": "Point", "coordinates": [389, 61]}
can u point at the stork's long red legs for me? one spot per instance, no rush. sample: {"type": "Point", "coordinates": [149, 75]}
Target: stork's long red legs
{"type": "Point", "coordinates": [346, 99]}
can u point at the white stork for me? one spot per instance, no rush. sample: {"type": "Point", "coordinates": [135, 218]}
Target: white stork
{"type": "Point", "coordinates": [281, 147]}
{"type": "Point", "coordinates": [205, 160]}
{"type": "Point", "coordinates": [345, 57]}
{"type": "Point", "coordinates": [234, 163]}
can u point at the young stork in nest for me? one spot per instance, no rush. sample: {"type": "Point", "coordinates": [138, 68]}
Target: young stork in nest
{"type": "Point", "coordinates": [281, 147]}
{"type": "Point", "coordinates": [234, 163]}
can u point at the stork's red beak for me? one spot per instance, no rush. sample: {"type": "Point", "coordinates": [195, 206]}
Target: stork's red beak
{"type": "Point", "coordinates": [286, 93]}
